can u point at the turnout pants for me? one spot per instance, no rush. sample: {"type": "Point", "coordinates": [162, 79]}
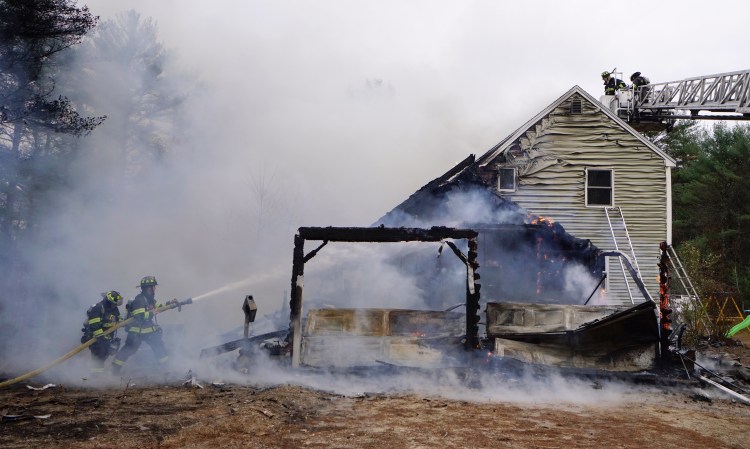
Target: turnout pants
{"type": "Point", "coordinates": [134, 342]}
{"type": "Point", "coordinates": [99, 353]}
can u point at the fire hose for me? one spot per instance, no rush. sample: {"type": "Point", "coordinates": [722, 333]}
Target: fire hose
{"type": "Point", "coordinates": [168, 306]}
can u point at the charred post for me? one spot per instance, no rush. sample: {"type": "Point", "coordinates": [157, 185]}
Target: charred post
{"type": "Point", "coordinates": [295, 302]}
{"type": "Point", "coordinates": [665, 328]}
{"type": "Point", "coordinates": [472, 298]}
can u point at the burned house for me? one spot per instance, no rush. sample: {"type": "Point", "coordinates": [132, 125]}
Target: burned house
{"type": "Point", "coordinates": [573, 178]}
{"type": "Point", "coordinates": [554, 204]}
{"type": "Point", "coordinates": [547, 206]}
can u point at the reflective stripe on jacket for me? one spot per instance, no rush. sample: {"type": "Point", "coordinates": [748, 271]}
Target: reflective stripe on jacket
{"type": "Point", "coordinates": [102, 316]}
{"type": "Point", "coordinates": [142, 308]}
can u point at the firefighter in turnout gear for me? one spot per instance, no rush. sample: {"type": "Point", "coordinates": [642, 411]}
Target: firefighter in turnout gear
{"type": "Point", "coordinates": [611, 84]}
{"type": "Point", "coordinates": [144, 328]}
{"type": "Point", "coordinates": [639, 81]}
{"type": "Point", "coordinates": [100, 317]}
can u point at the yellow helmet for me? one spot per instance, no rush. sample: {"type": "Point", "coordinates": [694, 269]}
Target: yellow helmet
{"type": "Point", "coordinates": [113, 297]}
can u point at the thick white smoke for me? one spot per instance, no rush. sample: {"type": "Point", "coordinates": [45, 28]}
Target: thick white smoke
{"type": "Point", "coordinates": [279, 128]}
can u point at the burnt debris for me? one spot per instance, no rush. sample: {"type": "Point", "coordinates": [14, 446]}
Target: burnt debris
{"type": "Point", "coordinates": [525, 257]}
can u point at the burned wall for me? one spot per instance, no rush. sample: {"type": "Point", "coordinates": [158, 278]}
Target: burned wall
{"type": "Point", "coordinates": [523, 258]}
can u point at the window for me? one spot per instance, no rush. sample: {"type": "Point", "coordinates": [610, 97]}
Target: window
{"type": "Point", "coordinates": [576, 106]}
{"type": "Point", "coordinates": [506, 179]}
{"type": "Point", "coordinates": [599, 187]}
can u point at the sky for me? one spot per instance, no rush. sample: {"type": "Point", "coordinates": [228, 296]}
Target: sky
{"type": "Point", "coordinates": [334, 112]}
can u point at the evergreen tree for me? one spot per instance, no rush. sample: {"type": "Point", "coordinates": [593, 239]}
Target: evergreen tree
{"type": "Point", "coordinates": [712, 200]}
{"type": "Point", "coordinates": [126, 75]}
{"type": "Point", "coordinates": [36, 122]}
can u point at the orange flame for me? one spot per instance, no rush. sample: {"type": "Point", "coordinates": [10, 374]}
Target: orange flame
{"type": "Point", "coordinates": [538, 219]}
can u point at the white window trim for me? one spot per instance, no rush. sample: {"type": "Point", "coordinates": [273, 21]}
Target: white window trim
{"type": "Point", "coordinates": [586, 188]}
{"type": "Point", "coordinates": [515, 179]}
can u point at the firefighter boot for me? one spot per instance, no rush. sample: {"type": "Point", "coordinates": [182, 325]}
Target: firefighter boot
{"type": "Point", "coordinates": [117, 367]}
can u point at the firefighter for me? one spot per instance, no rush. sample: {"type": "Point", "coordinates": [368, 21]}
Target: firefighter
{"type": "Point", "coordinates": [611, 84]}
{"type": "Point", "coordinates": [101, 316]}
{"type": "Point", "coordinates": [639, 81]}
{"type": "Point", "coordinates": [144, 328]}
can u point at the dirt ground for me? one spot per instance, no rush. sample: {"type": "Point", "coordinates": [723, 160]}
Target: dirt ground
{"type": "Point", "coordinates": [178, 415]}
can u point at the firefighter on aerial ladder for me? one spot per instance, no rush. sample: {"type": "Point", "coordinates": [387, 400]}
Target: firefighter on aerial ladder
{"type": "Point", "coordinates": [611, 84]}
{"type": "Point", "coordinates": [639, 81]}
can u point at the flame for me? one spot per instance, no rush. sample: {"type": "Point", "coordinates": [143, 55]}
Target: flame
{"type": "Point", "coordinates": [538, 219]}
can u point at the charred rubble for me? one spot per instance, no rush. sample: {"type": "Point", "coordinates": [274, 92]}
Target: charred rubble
{"type": "Point", "coordinates": [595, 342]}
{"type": "Point", "coordinates": [530, 319]}
{"type": "Point", "coordinates": [525, 258]}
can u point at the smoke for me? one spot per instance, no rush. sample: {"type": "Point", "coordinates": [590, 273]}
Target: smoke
{"type": "Point", "coordinates": [202, 180]}
{"type": "Point", "coordinates": [456, 383]}
{"type": "Point", "coordinates": [518, 262]}
{"type": "Point", "coordinates": [465, 206]}
{"type": "Point", "coordinates": [348, 275]}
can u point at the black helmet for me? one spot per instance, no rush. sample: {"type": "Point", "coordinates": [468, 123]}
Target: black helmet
{"type": "Point", "coordinates": [148, 281]}
{"type": "Point", "coordinates": [635, 75]}
{"type": "Point", "coordinates": [113, 297]}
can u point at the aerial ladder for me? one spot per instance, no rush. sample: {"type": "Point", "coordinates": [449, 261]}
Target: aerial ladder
{"type": "Point", "coordinates": [724, 96]}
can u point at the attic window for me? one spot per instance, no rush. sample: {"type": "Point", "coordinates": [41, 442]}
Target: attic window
{"type": "Point", "coordinates": [506, 179]}
{"type": "Point", "coordinates": [576, 106]}
{"type": "Point", "coordinates": [599, 187]}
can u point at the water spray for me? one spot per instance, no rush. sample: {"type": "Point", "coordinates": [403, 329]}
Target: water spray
{"type": "Point", "coordinates": [237, 285]}
{"type": "Point", "coordinates": [225, 288]}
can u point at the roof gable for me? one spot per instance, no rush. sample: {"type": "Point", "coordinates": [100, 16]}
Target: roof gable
{"type": "Point", "coordinates": [493, 152]}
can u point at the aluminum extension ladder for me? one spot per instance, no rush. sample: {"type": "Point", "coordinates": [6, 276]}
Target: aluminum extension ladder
{"type": "Point", "coordinates": [681, 275]}
{"type": "Point", "coordinates": [687, 285]}
{"type": "Point", "coordinates": [615, 213]}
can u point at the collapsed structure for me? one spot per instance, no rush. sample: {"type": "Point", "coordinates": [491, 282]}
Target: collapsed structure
{"type": "Point", "coordinates": [576, 336]}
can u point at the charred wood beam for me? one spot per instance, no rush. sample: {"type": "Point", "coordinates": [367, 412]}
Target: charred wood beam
{"type": "Point", "coordinates": [457, 252]}
{"type": "Point", "coordinates": [472, 292]}
{"type": "Point", "coordinates": [295, 302]}
{"type": "Point", "coordinates": [604, 276]}
{"type": "Point", "coordinates": [472, 297]}
{"type": "Point", "coordinates": [312, 253]}
{"type": "Point", "coordinates": [239, 343]}
{"type": "Point", "coordinates": [664, 307]}
{"type": "Point", "coordinates": [382, 234]}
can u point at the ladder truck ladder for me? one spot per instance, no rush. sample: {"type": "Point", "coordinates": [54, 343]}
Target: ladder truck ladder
{"type": "Point", "coordinates": [724, 92]}
{"type": "Point", "coordinates": [616, 213]}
